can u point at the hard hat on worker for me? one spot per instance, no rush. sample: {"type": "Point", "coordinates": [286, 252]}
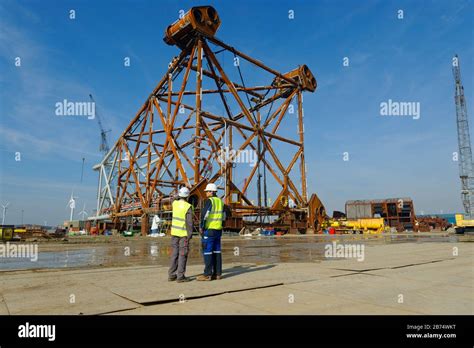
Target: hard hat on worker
{"type": "Point", "coordinates": [183, 192]}
{"type": "Point", "coordinates": [211, 187]}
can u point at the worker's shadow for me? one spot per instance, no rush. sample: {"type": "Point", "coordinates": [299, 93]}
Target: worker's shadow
{"type": "Point", "coordinates": [238, 270]}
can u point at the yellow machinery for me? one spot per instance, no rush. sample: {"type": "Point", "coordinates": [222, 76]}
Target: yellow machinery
{"type": "Point", "coordinates": [369, 225]}
{"type": "Point", "coordinates": [11, 232]}
{"type": "Point", "coordinates": [6, 232]}
{"type": "Point", "coordinates": [463, 225]}
{"type": "Point", "coordinates": [375, 225]}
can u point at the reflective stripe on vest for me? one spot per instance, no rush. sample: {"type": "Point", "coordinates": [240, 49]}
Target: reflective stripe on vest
{"type": "Point", "coordinates": [178, 224]}
{"type": "Point", "coordinates": [214, 219]}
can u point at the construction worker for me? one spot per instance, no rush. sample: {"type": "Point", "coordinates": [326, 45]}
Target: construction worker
{"type": "Point", "coordinates": [212, 216]}
{"type": "Point", "coordinates": [154, 225]}
{"type": "Point", "coordinates": [181, 234]}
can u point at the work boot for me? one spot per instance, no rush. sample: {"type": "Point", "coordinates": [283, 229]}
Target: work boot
{"type": "Point", "coordinates": [172, 278]}
{"type": "Point", "coordinates": [203, 277]}
{"type": "Point", "coordinates": [183, 280]}
{"type": "Point", "coordinates": [216, 277]}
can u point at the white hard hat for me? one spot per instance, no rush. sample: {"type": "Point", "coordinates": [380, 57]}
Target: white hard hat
{"type": "Point", "coordinates": [211, 187]}
{"type": "Point", "coordinates": [183, 192]}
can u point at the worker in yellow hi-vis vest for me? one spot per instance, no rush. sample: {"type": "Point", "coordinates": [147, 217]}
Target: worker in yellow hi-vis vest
{"type": "Point", "coordinates": [212, 217]}
{"type": "Point", "coordinates": [181, 234]}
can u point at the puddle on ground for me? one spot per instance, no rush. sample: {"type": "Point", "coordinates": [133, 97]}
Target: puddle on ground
{"type": "Point", "coordinates": [145, 251]}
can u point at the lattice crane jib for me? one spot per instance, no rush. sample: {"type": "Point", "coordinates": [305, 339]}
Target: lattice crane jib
{"type": "Point", "coordinates": [464, 142]}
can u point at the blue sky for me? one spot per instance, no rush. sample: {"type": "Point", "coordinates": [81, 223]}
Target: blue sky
{"type": "Point", "coordinates": [402, 60]}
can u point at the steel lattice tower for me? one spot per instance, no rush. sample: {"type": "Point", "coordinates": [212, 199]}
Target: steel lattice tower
{"type": "Point", "coordinates": [464, 142]}
{"type": "Point", "coordinates": [199, 112]}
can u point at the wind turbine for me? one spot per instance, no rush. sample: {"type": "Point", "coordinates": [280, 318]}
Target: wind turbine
{"type": "Point", "coordinates": [4, 212]}
{"type": "Point", "coordinates": [83, 212]}
{"type": "Point", "coordinates": [72, 204]}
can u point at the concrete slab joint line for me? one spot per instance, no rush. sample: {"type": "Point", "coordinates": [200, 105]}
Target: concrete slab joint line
{"type": "Point", "coordinates": [6, 305]}
{"type": "Point", "coordinates": [396, 267]}
{"type": "Point", "coordinates": [212, 295]}
{"type": "Point", "coordinates": [162, 302]}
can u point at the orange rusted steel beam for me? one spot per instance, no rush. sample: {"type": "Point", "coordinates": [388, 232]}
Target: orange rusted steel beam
{"type": "Point", "coordinates": [229, 84]}
{"type": "Point", "coordinates": [301, 131]}
{"type": "Point", "coordinates": [197, 148]}
{"type": "Point", "coordinates": [238, 86]}
{"type": "Point", "coordinates": [259, 105]}
{"type": "Point", "coordinates": [238, 89]}
{"type": "Point", "coordinates": [252, 60]}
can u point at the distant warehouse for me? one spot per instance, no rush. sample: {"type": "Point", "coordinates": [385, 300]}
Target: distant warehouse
{"type": "Point", "coordinates": [397, 212]}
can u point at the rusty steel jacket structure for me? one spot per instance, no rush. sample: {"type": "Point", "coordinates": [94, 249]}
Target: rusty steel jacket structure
{"type": "Point", "coordinates": [197, 127]}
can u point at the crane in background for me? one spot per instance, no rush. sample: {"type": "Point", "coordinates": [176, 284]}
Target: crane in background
{"type": "Point", "coordinates": [104, 145]}
{"type": "Point", "coordinates": [465, 153]}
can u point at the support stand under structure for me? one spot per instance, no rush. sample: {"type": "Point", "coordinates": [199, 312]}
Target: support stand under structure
{"type": "Point", "coordinates": [205, 123]}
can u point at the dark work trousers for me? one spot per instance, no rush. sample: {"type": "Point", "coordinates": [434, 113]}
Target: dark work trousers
{"type": "Point", "coordinates": [211, 248]}
{"type": "Point", "coordinates": [179, 256]}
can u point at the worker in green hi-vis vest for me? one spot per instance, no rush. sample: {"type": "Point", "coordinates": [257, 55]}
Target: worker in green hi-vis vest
{"type": "Point", "coordinates": [212, 217]}
{"type": "Point", "coordinates": [181, 234]}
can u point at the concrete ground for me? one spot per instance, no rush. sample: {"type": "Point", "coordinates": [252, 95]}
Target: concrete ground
{"type": "Point", "coordinates": [405, 278]}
